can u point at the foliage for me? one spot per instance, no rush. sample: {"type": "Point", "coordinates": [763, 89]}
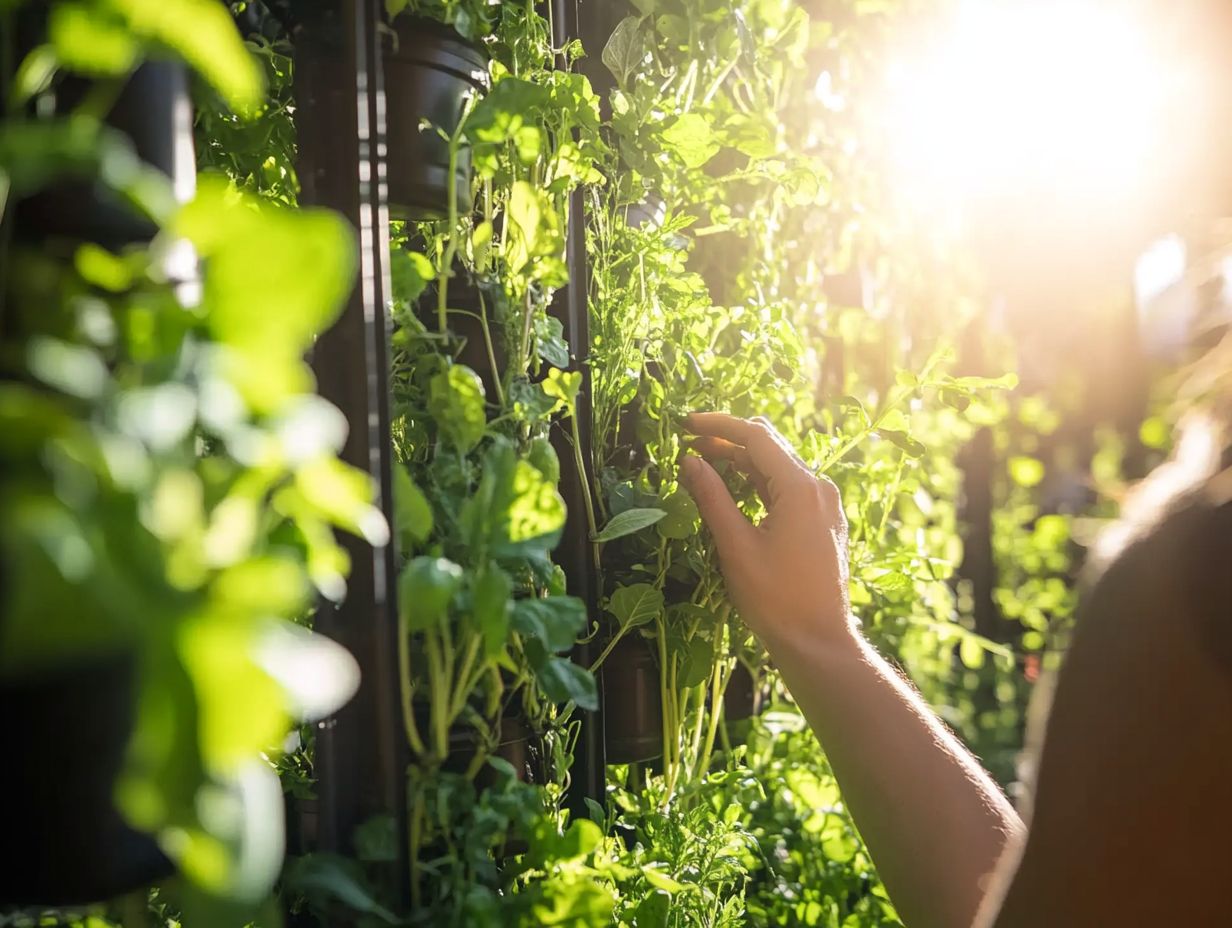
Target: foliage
{"type": "Point", "coordinates": [738, 243]}
{"type": "Point", "coordinates": [170, 486]}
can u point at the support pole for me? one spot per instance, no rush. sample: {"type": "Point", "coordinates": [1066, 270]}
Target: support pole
{"type": "Point", "coordinates": [571, 307]}
{"type": "Point", "coordinates": [361, 754]}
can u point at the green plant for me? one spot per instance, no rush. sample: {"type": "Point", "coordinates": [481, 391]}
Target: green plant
{"type": "Point", "coordinates": [170, 483]}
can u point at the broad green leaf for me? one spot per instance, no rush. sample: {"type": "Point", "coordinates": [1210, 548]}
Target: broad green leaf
{"type": "Point", "coordinates": [635, 604]}
{"type": "Point", "coordinates": [625, 49]}
{"type": "Point", "coordinates": [971, 652]}
{"type": "Point", "coordinates": [543, 457]}
{"type": "Point", "coordinates": [910, 446]}
{"type": "Point", "coordinates": [203, 32]}
{"type": "Point", "coordinates": [681, 516]}
{"type": "Point", "coordinates": [330, 879]}
{"type": "Point", "coordinates": [691, 139]}
{"type": "Point", "coordinates": [456, 402]}
{"type": "Point", "coordinates": [554, 620]}
{"type": "Point", "coordinates": [412, 512]}
{"type": "Point", "coordinates": [660, 880]}
{"type": "Point", "coordinates": [697, 663]}
{"type": "Point", "coordinates": [564, 681]}
{"type": "Point", "coordinates": [563, 386]}
{"type": "Point", "coordinates": [628, 522]}
{"type": "Point", "coordinates": [490, 608]}
{"type": "Point", "coordinates": [409, 274]}
{"type": "Point", "coordinates": [537, 509]}
{"type": "Point", "coordinates": [425, 588]}
{"type": "Point", "coordinates": [89, 39]}
{"type": "Point", "coordinates": [526, 216]}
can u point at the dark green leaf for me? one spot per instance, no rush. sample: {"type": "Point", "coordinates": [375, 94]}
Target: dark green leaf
{"type": "Point", "coordinates": [628, 522]}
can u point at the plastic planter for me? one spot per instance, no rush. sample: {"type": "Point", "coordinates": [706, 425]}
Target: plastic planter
{"type": "Point", "coordinates": [154, 111]}
{"type": "Point", "coordinates": [63, 840]}
{"type": "Point", "coordinates": [741, 700]}
{"type": "Point", "coordinates": [467, 344]}
{"type": "Point", "coordinates": [632, 702]}
{"type": "Point", "coordinates": [429, 72]}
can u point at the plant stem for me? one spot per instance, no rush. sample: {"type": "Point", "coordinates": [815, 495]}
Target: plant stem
{"type": "Point", "coordinates": [579, 461]}
{"type": "Point", "coordinates": [487, 343]}
{"type": "Point", "coordinates": [404, 684]}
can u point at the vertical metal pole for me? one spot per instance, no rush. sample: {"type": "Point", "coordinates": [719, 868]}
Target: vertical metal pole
{"type": "Point", "coordinates": [574, 554]}
{"type": "Point", "coordinates": [361, 754]}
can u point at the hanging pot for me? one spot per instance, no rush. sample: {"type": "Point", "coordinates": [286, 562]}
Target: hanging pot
{"type": "Point", "coordinates": [429, 72]}
{"type": "Point", "coordinates": [64, 841]}
{"type": "Point", "coordinates": [741, 699]}
{"type": "Point", "coordinates": [154, 111]}
{"type": "Point", "coordinates": [467, 345]}
{"type": "Point", "coordinates": [632, 702]}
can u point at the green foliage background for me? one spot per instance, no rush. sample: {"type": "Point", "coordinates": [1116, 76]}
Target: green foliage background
{"type": "Point", "coordinates": [744, 254]}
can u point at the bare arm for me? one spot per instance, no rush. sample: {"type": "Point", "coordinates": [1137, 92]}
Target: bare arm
{"type": "Point", "coordinates": [934, 821]}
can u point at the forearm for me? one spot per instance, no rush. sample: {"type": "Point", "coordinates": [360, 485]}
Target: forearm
{"type": "Point", "coordinates": [934, 821]}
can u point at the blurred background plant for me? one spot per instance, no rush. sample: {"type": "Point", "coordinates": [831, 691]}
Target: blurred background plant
{"type": "Point", "coordinates": [170, 485]}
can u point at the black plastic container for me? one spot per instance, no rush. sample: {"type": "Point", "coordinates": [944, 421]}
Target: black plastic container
{"type": "Point", "coordinates": [154, 111]}
{"type": "Point", "coordinates": [429, 71]}
{"type": "Point", "coordinates": [632, 702]}
{"type": "Point", "coordinates": [741, 699]}
{"type": "Point", "coordinates": [63, 841]}
{"type": "Point", "coordinates": [467, 345]}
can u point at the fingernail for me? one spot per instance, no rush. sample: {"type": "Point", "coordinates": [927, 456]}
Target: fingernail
{"type": "Point", "coordinates": [688, 467]}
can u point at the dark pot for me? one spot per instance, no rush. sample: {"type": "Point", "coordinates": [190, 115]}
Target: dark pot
{"type": "Point", "coordinates": [303, 818]}
{"type": "Point", "coordinates": [63, 840]}
{"type": "Point", "coordinates": [741, 700]}
{"type": "Point", "coordinates": [514, 745]}
{"type": "Point", "coordinates": [155, 112]}
{"type": "Point", "coordinates": [429, 70]}
{"type": "Point", "coordinates": [467, 345]}
{"type": "Point", "coordinates": [632, 702]}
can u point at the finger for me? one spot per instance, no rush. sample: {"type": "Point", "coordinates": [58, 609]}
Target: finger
{"type": "Point", "coordinates": [768, 451]}
{"type": "Point", "coordinates": [732, 532]}
{"type": "Point", "coordinates": [717, 449]}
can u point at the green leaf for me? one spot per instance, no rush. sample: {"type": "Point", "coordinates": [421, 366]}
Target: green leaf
{"type": "Point", "coordinates": [628, 522]}
{"type": "Point", "coordinates": [204, 34]}
{"type": "Point", "coordinates": [697, 663]}
{"type": "Point", "coordinates": [555, 620]}
{"type": "Point", "coordinates": [409, 274]}
{"type": "Point", "coordinates": [412, 513]}
{"type": "Point", "coordinates": [691, 139]}
{"type": "Point", "coordinates": [544, 459]}
{"type": "Point", "coordinates": [425, 588]}
{"type": "Point", "coordinates": [550, 343]}
{"type": "Point", "coordinates": [660, 880]}
{"type": "Point", "coordinates": [635, 604]}
{"type": "Point", "coordinates": [326, 878]}
{"type": "Point", "coordinates": [681, 515]}
{"type": "Point", "coordinates": [625, 49]}
{"type": "Point", "coordinates": [562, 681]}
{"type": "Point", "coordinates": [89, 40]}
{"type": "Point", "coordinates": [910, 446]}
{"type": "Point", "coordinates": [563, 386]}
{"type": "Point", "coordinates": [456, 402]}
{"type": "Point", "coordinates": [490, 608]}
{"type": "Point", "coordinates": [275, 279]}
{"type": "Point", "coordinates": [1026, 471]}
{"type": "Point", "coordinates": [971, 652]}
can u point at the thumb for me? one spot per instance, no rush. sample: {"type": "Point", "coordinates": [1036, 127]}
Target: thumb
{"type": "Point", "coordinates": [728, 525]}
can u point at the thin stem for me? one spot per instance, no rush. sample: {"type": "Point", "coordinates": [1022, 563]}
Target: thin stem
{"type": "Point", "coordinates": [487, 343]}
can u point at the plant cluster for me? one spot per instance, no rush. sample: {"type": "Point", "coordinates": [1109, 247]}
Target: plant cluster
{"type": "Point", "coordinates": [170, 485]}
{"type": "Point", "coordinates": [184, 488]}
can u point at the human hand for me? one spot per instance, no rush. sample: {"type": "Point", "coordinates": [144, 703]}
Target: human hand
{"type": "Point", "coordinates": [787, 575]}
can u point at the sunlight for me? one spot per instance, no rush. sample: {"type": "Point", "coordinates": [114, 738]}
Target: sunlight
{"type": "Point", "coordinates": [1052, 97]}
